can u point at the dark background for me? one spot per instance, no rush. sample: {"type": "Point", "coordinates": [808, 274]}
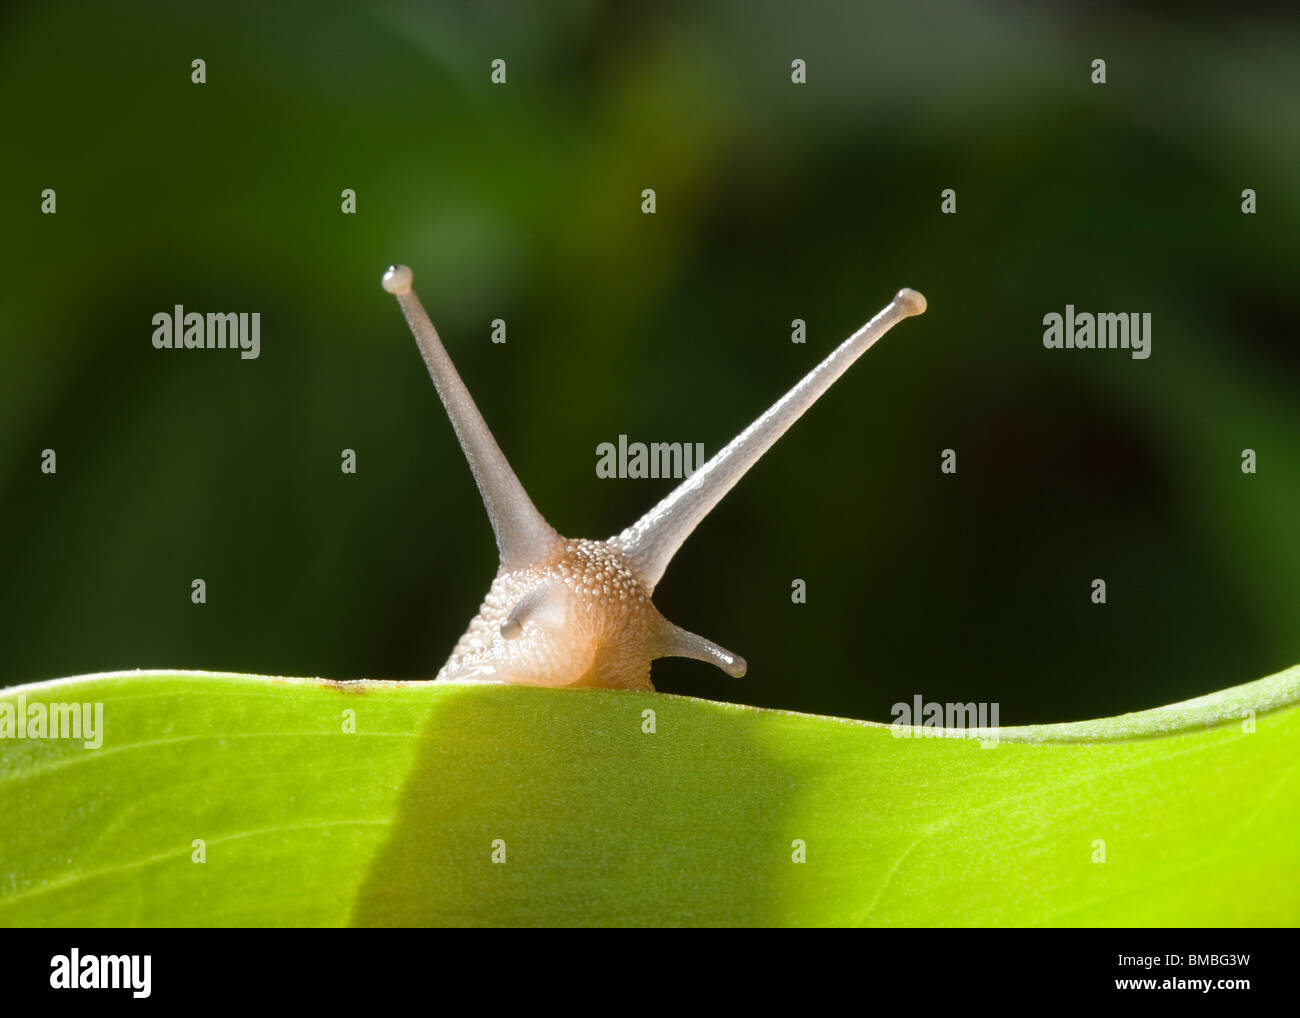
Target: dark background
{"type": "Point", "coordinates": [775, 201]}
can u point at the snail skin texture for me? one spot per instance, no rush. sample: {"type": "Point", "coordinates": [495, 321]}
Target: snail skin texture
{"type": "Point", "coordinates": [577, 612]}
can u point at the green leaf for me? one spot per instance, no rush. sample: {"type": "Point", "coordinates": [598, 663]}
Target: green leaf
{"type": "Point", "coordinates": [303, 823]}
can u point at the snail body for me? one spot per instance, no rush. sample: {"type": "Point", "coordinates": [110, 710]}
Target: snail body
{"type": "Point", "coordinates": [579, 612]}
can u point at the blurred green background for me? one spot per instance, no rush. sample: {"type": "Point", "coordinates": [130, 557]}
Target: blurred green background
{"type": "Point", "coordinates": [775, 202]}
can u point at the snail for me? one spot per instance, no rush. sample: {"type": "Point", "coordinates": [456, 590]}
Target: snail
{"type": "Point", "coordinates": [577, 612]}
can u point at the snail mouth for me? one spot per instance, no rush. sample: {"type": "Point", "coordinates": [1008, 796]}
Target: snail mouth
{"type": "Point", "coordinates": [596, 678]}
